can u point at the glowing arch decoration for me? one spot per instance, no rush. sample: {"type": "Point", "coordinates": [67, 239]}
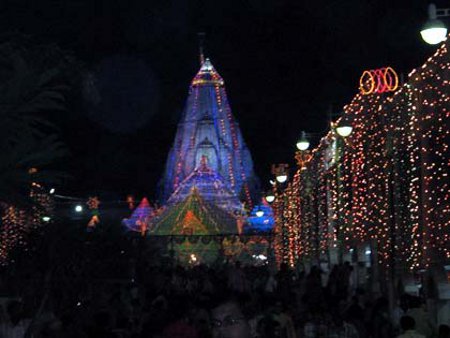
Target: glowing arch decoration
{"type": "Point", "coordinates": [378, 81]}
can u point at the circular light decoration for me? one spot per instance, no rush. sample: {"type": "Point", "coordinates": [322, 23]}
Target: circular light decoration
{"type": "Point", "coordinates": [78, 208]}
{"type": "Point", "coordinates": [377, 81]}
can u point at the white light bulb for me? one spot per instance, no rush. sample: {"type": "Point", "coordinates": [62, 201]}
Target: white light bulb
{"type": "Point", "coordinates": [302, 145]}
{"type": "Point", "coordinates": [281, 178]}
{"type": "Point", "coordinates": [433, 35]}
{"type": "Point", "coordinates": [344, 131]}
{"type": "Point", "coordinates": [259, 213]}
{"type": "Point", "coordinates": [270, 198]}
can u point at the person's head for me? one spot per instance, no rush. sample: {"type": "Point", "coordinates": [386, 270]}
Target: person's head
{"type": "Point", "coordinates": [444, 331]}
{"type": "Point", "coordinates": [14, 309]}
{"type": "Point", "coordinates": [407, 323]}
{"type": "Point", "coordinates": [278, 308]}
{"type": "Point", "coordinates": [229, 321]}
{"type": "Point", "coordinates": [268, 327]}
{"type": "Point", "coordinates": [415, 302]}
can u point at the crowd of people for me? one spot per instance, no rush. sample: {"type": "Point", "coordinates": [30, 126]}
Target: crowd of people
{"type": "Point", "coordinates": [230, 301]}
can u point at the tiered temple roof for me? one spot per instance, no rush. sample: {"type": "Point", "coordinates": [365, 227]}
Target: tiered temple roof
{"type": "Point", "coordinates": [208, 129]}
{"type": "Point", "coordinates": [194, 216]}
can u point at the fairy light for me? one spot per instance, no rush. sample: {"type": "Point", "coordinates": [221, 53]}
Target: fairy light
{"type": "Point", "coordinates": [18, 224]}
{"type": "Point", "coordinates": [393, 186]}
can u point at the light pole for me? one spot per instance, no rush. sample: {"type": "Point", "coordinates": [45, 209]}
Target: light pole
{"type": "Point", "coordinates": [341, 130]}
{"type": "Point", "coordinates": [434, 31]}
{"type": "Point", "coordinates": [280, 172]}
{"type": "Point", "coordinates": [302, 155]}
{"type": "Point", "coordinates": [270, 196]}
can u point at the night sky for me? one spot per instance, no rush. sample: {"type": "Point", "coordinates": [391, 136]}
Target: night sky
{"type": "Point", "coordinates": [284, 63]}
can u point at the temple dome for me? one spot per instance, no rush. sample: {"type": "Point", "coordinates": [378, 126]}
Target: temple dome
{"type": "Point", "coordinates": [207, 75]}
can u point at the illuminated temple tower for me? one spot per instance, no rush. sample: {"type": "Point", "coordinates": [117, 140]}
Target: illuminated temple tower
{"type": "Point", "coordinates": [209, 135]}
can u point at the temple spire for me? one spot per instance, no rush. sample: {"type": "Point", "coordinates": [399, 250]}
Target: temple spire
{"type": "Point", "coordinates": [201, 41]}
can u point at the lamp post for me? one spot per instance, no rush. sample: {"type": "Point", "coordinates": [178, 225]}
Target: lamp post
{"type": "Point", "coordinates": [280, 172]}
{"type": "Point", "coordinates": [341, 130]}
{"type": "Point", "coordinates": [434, 31]}
{"type": "Point", "coordinates": [270, 196]}
{"type": "Point", "coordinates": [302, 155]}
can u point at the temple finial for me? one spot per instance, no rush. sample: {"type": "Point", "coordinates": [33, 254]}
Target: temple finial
{"type": "Point", "coordinates": [201, 40]}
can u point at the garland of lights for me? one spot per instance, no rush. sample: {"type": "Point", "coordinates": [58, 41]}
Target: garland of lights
{"type": "Point", "coordinates": [388, 189]}
{"type": "Point", "coordinates": [17, 224]}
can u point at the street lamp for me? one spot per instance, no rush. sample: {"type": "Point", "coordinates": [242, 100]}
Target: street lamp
{"type": "Point", "coordinates": [434, 31]}
{"type": "Point", "coordinates": [270, 197]}
{"type": "Point", "coordinates": [303, 143]}
{"type": "Point", "coordinates": [259, 212]}
{"type": "Point", "coordinates": [281, 178]}
{"type": "Point", "coordinates": [280, 172]}
{"type": "Point", "coordinates": [344, 130]}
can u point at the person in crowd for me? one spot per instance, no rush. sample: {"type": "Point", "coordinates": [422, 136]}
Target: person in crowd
{"type": "Point", "coordinates": [236, 279]}
{"type": "Point", "coordinates": [180, 325]}
{"type": "Point", "coordinates": [228, 320]}
{"type": "Point", "coordinates": [421, 317]}
{"type": "Point", "coordinates": [444, 331]}
{"type": "Point", "coordinates": [408, 325]}
{"type": "Point", "coordinates": [101, 326]}
{"type": "Point", "coordinates": [286, 325]}
{"type": "Point", "coordinates": [268, 327]}
{"type": "Point", "coordinates": [14, 323]}
{"type": "Point", "coordinates": [381, 325]}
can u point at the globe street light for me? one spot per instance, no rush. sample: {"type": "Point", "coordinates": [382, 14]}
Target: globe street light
{"type": "Point", "coordinates": [344, 130]}
{"type": "Point", "coordinates": [259, 212]}
{"type": "Point", "coordinates": [434, 30]}
{"type": "Point", "coordinates": [78, 208]}
{"type": "Point", "coordinates": [280, 172]}
{"type": "Point", "coordinates": [303, 143]}
{"type": "Point", "coordinates": [343, 127]}
{"type": "Point", "coordinates": [281, 178]}
{"type": "Point", "coordinates": [270, 197]}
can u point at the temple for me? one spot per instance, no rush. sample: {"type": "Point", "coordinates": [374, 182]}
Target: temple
{"type": "Point", "coordinates": [209, 193]}
{"type": "Point", "coordinates": [209, 133]}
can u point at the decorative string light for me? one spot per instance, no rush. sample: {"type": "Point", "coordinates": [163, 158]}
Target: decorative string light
{"type": "Point", "coordinates": [389, 187]}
